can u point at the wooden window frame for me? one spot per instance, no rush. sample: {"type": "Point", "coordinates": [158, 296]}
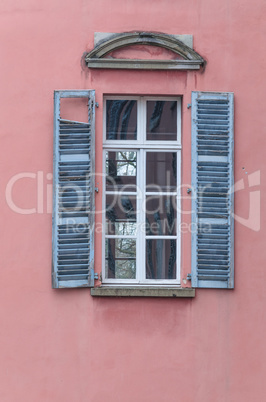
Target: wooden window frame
{"type": "Point", "coordinates": [141, 145]}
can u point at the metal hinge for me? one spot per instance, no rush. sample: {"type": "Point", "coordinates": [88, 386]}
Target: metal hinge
{"type": "Point", "coordinates": [97, 276]}
{"type": "Point", "coordinates": [188, 277]}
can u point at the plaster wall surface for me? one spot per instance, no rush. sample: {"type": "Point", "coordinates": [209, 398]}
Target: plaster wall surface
{"type": "Point", "coordinates": [64, 345]}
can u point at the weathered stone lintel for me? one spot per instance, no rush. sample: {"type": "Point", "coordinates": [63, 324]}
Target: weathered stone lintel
{"type": "Point", "coordinates": [98, 57]}
{"type": "Point", "coordinates": [100, 37]}
{"type": "Point", "coordinates": [140, 291]}
{"type": "Point", "coordinates": [144, 64]}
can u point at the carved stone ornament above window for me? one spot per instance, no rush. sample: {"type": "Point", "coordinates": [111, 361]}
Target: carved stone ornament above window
{"type": "Point", "coordinates": [186, 57]}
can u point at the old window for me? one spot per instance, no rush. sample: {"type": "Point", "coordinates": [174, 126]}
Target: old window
{"type": "Point", "coordinates": [142, 157]}
{"type": "Point", "coordinates": [141, 199]}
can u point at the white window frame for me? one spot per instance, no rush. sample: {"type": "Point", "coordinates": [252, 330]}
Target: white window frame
{"type": "Point", "coordinates": [142, 146]}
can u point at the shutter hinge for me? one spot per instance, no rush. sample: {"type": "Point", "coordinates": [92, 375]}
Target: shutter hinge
{"type": "Point", "coordinates": [97, 104]}
{"type": "Point", "coordinates": [96, 275]}
{"type": "Point", "coordinates": [189, 105]}
{"type": "Point", "coordinates": [97, 189]}
{"type": "Point", "coordinates": [188, 277]}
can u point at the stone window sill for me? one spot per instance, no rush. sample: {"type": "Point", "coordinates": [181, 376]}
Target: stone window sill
{"type": "Point", "coordinates": [141, 291]}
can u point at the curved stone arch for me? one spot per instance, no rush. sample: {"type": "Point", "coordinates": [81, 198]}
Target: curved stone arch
{"type": "Point", "coordinates": [96, 57]}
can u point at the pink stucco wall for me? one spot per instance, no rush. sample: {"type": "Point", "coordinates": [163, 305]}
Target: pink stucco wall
{"type": "Point", "coordinates": [65, 345]}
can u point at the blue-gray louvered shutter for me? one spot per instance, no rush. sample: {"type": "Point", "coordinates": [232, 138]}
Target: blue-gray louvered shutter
{"type": "Point", "coordinates": [73, 196]}
{"type": "Point", "coordinates": [212, 182]}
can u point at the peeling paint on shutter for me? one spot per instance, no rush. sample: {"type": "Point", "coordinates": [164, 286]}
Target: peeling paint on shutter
{"type": "Point", "coordinates": [73, 196]}
{"type": "Point", "coordinates": [212, 181]}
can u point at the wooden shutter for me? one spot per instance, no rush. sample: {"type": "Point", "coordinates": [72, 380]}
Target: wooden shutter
{"type": "Point", "coordinates": [212, 181]}
{"type": "Point", "coordinates": [73, 196]}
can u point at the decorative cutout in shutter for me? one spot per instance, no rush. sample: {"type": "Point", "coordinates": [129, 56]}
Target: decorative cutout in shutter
{"type": "Point", "coordinates": [212, 182]}
{"type": "Point", "coordinates": [73, 196]}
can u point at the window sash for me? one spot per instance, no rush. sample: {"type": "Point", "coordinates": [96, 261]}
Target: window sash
{"type": "Point", "coordinates": [141, 123]}
{"type": "Point", "coordinates": [142, 146]}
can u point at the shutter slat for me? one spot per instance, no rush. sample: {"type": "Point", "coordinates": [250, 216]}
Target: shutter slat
{"type": "Point", "coordinates": [212, 180]}
{"type": "Point", "coordinates": [73, 218]}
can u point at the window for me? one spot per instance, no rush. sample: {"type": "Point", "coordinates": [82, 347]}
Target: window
{"type": "Point", "coordinates": [141, 197]}
{"type": "Point", "coordinates": [142, 157]}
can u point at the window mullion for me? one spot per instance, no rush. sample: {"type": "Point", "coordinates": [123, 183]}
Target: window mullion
{"type": "Point", "coordinates": [142, 121]}
{"type": "Point", "coordinates": [141, 217]}
{"type": "Point", "coordinates": [141, 193]}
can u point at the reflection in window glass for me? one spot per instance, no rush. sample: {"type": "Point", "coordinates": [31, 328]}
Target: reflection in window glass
{"type": "Point", "coordinates": [121, 120]}
{"type": "Point", "coordinates": [160, 215]}
{"type": "Point", "coordinates": [120, 258]}
{"type": "Point", "coordinates": [121, 170]}
{"type": "Point", "coordinates": [161, 171]}
{"type": "Point", "coordinates": [160, 259]}
{"type": "Point", "coordinates": [121, 214]}
{"type": "Point", "coordinates": [161, 120]}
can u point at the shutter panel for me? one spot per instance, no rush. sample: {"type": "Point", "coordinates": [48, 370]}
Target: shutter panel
{"type": "Point", "coordinates": [212, 181]}
{"type": "Point", "coordinates": [73, 196]}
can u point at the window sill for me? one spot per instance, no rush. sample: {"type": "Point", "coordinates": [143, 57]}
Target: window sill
{"type": "Point", "coordinates": [140, 291]}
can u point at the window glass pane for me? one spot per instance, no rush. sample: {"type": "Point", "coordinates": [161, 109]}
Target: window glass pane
{"type": "Point", "coordinates": [144, 217]}
{"type": "Point", "coordinates": [160, 215]}
{"type": "Point", "coordinates": [161, 171]}
{"type": "Point", "coordinates": [121, 215]}
{"type": "Point", "coordinates": [120, 258]}
{"type": "Point", "coordinates": [121, 119]}
{"type": "Point", "coordinates": [121, 170]}
{"type": "Point", "coordinates": [160, 259]}
{"type": "Point", "coordinates": [161, 120]}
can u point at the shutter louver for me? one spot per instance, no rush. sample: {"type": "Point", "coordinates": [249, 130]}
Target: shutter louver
{"type": "Point", "coordinates": [212, 182]}
{"type": "Point", "coordinates": [73, 197]}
